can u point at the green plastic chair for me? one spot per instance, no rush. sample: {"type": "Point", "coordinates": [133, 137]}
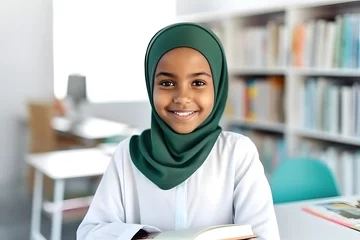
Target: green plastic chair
{"type": "Point", "coordinates": [302, 179]}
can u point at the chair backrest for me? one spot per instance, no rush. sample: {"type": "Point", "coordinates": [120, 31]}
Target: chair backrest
{"type": "Point", "coordinates": [302, 179]}
{"type": "Point", "coordinates": [42, 135]}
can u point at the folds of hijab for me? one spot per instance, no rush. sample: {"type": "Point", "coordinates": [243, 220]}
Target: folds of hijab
{"type": "Point", "coordinates": [164, 156]}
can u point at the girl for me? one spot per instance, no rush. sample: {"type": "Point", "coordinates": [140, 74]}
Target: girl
{"type": "Point", "coordinates": [185, 171]}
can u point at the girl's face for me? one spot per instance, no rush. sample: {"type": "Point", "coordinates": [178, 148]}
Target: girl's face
{"type": "Point", "coordinates": [183, 89]}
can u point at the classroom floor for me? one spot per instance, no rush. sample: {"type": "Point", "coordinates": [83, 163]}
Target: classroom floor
{"type": "Point", "coordinates": [15, 208]}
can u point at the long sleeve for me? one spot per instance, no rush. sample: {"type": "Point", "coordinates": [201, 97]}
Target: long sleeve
{"type": "Point", "coordinates": [253, 203]}
{"type": "Point", "coordinates": [105, 217]}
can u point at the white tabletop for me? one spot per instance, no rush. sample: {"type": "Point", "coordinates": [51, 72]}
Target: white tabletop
{"type": "Point", "coordinates": [70, 163]}
{"type": "Point", "coordinates": [93, 128]}
{"type": "Point", "coordinates": [295, 224]}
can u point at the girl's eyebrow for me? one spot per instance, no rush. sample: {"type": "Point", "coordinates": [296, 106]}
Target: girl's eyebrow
{"type": "Point", "coordinates": [199, 74]}
{"type": "Point", "coordinates": [167, 74]}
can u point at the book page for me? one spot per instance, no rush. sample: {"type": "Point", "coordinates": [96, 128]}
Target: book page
{"type": "Point", "coordinates": [232, 231]}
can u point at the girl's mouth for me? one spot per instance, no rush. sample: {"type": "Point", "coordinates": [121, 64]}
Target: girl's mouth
{"type": "Point", "coordinates": [183, 115]}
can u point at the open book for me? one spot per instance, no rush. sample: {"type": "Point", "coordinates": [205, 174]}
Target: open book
{"type": "Point", "coordinates": [343, 213]}
{"type": "Point", "coordinates": [220, 232]}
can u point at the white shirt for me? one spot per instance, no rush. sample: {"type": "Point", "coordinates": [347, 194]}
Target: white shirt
{"type": "Point", "coordinates": [229, 187]}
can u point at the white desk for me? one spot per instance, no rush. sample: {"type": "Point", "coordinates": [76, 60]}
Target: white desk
{"type": "Point", "coordinates": [93, 128]}
{"type": "Point", "coordinates": [59, 166]}
{"type": "Point", "coordinates": [295, 224]}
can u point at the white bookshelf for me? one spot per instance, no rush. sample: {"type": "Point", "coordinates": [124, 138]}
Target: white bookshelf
{"type": "Point", "coordinates": [329, 137]}
{"type": "Point", "coordinates": [338, 72]}
{"type": "Point", "coordinates": [330, 72]}
{"type": "Point", "coordinates": [233, 27]}
{"type": "Point", "coordinates": [272, 127]}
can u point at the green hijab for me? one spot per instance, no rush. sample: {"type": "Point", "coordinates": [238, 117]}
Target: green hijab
{"type": "Point", "coordinates": [164, 156]}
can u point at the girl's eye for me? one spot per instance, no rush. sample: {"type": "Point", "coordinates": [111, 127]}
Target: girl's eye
{"type": "Point", "coordinates": [198, 83]}
{"type": "Point", "coordinates": [167, 84]}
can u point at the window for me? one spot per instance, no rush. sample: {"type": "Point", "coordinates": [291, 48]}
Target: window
{"type": "Point", "coordinates": [106, 41]}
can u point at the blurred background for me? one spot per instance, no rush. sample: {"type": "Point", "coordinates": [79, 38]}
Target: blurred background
{"type": "Point", "coordinates": [72, 87]}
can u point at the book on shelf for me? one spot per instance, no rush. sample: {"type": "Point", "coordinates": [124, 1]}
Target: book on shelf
{"type": "Point", "coordinates": [327, 43]}
{"type": "Point", "coordinates": [257, 99]}
{"type": "Point", "coordinates": [219, 232]}
{"type": "Point", "coordinates": [332, 106]}
{"type": "Point", "coordinates": [344, 213]}
{"type": "Point", "coordinates": [262, 46]}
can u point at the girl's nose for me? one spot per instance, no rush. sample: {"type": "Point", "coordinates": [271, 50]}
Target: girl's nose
{"type": "Point", "coordinates": [182, 96]}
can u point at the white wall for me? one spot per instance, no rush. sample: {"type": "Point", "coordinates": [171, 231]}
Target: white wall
{"type": "Point", "coordinates": [25, 72]}
{"type": "Point", "coordinates": [191, 6]}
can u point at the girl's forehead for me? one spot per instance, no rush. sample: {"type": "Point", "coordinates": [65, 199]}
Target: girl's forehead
{"type": "Point", "coordinates": [183, 56]}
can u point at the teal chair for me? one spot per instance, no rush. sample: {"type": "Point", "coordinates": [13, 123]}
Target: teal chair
{"type": "Point", "coordinates": [302, 179]}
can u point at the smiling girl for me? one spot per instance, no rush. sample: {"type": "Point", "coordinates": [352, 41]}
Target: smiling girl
{"type": "Point", "coordinates": [185, 171]}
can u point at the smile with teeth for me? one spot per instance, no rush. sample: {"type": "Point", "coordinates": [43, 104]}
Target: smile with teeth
{"type": "Point", "coordinates": [183, 114]}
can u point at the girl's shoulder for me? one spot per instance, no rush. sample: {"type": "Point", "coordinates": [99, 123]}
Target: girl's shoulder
{"type": "Point", "coordinates": [123, 145]}
{"type": "Point", "coordinates": [237, 147]}
{"type": "Point", "coordinates": [238, 151]}
{"type": "Point", "coordinates": [121, 151]}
